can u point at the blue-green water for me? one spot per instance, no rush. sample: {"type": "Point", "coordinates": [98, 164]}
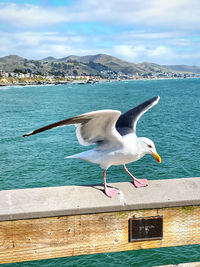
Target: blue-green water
{"type": "Point", "coordinates": [38, 161]}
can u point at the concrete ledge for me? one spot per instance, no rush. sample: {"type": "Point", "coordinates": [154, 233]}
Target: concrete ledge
{"type": "Point", "coordinates": [75, 200]}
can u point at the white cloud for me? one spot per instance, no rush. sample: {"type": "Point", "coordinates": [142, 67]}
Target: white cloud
{"type": "Point", "coordinates": [139, 53]}
{"type": "Point", "coordinates": [180, 42]}
{"type": "Point", "coordinates": [150, 30]}
{"type": "Point", "coordinates": [158, 13]}
{"type": "Point", "coordinates": [30, 15]}
{"type": "Point", "coordinates": [37, 45]}
{"type": "Point", "coordinates": [147, 35]}
{"type": "Point", "coordinates": [127, 51]}
{"type": "Point", "coordinates": [157, 54]}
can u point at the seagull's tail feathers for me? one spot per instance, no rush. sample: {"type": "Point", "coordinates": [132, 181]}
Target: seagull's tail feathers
{"type": "Point", "coordinates": [75, 156]}
{"type": "Point", "coordinates": [86, 155]}
{"type": "Point", "coordinates": [91, 156]}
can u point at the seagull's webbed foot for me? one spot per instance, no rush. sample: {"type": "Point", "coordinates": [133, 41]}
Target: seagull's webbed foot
{"type": "Point", "coordinates": [136, 182]}
{"type": "Point", "coordinates": [110, 192]}
{"type": "Point", "coordinates": [140, 182]}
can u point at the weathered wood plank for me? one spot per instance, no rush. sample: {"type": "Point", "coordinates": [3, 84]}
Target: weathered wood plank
{"type": "Point", "coordinates": [52, 237]}
{"type": "Point", "coordinates": [76, 200]}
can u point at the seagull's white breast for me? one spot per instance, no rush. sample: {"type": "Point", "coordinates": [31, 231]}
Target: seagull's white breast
{"type": "Point", "coordinates": [129, 151]}
{"type": "Point", "coordinates": [126, 153]}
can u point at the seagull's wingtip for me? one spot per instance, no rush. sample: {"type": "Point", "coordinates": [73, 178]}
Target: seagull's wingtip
{"type": "Point", "coordinates": [28, 134]}
{"type": "Point", "coordinates": [156, 99]}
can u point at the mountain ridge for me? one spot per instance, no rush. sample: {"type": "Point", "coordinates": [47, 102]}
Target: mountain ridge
{"type": "Point", "coordinates": [88, 65]}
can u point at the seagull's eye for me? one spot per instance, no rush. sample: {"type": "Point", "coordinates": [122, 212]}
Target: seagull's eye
{"type": "Point", "coordinates": [150, 146]}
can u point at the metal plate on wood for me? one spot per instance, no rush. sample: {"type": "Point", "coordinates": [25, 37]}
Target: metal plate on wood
{"type": "Point", "coordinates": [145, 228]}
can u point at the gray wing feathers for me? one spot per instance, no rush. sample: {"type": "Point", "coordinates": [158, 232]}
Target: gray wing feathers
{"type": "Point", "coordinates": [73, 120]}
{"type": "Point", "coordinates": [92, 127]}
{"type": "Point", "coordinates": [127, 121]}
{"type": "Point", "coordinates": [103, 126]}
{"type": "Point", "coordinates": [100, 128]}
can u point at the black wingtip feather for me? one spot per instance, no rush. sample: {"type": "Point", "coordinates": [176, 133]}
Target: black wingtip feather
{"type": "Point", "coordinates": [28, 134]}
{"type": "Point", "coordinates": [129, 119]}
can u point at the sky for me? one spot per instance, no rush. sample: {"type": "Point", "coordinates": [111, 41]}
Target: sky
{"type": "Point", "coordinates": [157, 31]}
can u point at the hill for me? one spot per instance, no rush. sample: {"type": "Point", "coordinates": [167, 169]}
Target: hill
{"type": "Point", "coordinates": [88, 65]}
{"type": "Point", "coordinates": [184, 68]}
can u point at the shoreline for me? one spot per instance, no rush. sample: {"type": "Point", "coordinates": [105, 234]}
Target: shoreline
{"type": "Point", "coordinates": [82, 82]}
{"type": "Point", "coordinates": [29, 84]}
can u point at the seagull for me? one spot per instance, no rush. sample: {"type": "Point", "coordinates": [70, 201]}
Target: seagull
{"type": "Point", "coordinates": [115, 136]}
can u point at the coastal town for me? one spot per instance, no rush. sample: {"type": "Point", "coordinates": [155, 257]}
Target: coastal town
{"type": "Point", "coordinates": [20, 77]}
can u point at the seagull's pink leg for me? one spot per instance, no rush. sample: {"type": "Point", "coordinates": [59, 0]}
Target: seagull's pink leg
{"type": "Point", "coordinates": [136, 182]}
{"type": "Point", "coordinates": [110, 192]}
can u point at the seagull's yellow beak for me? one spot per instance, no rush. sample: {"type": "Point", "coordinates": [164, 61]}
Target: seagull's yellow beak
{"type": "Point", "coordinates": [157, 157]}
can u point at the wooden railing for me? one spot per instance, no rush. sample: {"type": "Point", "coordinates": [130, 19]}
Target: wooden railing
{"type": "Point", "coordinates": [53, 222]}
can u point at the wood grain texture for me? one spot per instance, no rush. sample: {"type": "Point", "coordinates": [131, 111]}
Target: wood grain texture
{"type": "Point", "coordinates": [45, 238]}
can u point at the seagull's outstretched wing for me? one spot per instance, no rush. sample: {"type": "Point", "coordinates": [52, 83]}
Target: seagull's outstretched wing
{"type": "Point", "coordinates": [92, 127]}
{"type": "Point", "coordinates": [127, 121]}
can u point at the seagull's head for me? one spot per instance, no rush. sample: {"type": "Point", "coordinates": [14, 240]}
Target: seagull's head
{"type": "Point", "coordinates": [149, 148]}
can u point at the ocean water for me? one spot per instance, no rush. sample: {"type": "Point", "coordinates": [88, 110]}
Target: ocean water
{"type": "Point", "coordinates": [38, 161]}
